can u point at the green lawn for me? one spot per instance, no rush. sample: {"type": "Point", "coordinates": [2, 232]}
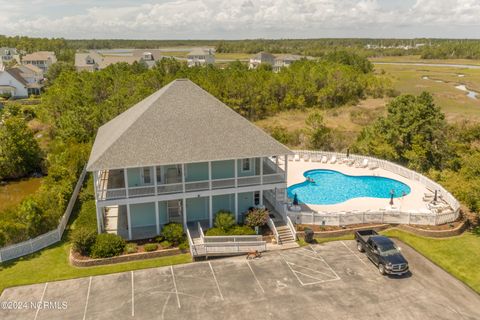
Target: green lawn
{"type": "Point", "coordinates": [460, 255]}
{"type": "Point", "coordinates": [52, 264]}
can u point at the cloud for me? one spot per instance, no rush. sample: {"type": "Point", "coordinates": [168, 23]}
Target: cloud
{"type": "Point", "coordinates": [232, 19]}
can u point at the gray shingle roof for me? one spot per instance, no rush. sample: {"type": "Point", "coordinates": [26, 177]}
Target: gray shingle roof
{"type": "Point", "coordinates": [180, 123]}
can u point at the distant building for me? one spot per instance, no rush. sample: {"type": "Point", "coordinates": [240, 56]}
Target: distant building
{"type": "Point", "coordinates": [8, 55]}
{"type": "Point", "coordinates": [283, 61]}
{"type": "Point", "coordinates": [200, 57]}
{"type": "Point", "coordinates": [259, 58]}
{"type": "Point", "coordinates": [41, 59]}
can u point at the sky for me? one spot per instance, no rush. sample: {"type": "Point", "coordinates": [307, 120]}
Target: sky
{"type": "Point", "coordinates": [240, 19]}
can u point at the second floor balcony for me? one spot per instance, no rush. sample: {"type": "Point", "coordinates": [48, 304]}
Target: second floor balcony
{"type": "Point", "coordinates": [184, 178]}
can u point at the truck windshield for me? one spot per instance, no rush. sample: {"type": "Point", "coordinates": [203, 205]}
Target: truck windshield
{"type": "Point", "coordinates": [388, 249]}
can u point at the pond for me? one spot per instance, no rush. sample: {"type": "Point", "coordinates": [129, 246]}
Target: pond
{"type": "Point", "coordinates": [14, 192]}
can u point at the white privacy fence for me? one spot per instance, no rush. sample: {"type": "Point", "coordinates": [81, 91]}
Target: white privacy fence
{"type": "Point", "coordinates": [30, 246]}
{"type": "Point", "coordinates": [376, 216]}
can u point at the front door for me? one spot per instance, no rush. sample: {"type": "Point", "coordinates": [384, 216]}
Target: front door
{"type": "Point", "coordinates": [175, 212]}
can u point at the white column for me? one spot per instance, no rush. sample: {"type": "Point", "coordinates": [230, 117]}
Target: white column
{"type": "Point", "coordinates": [261, 197]}
{"type": "Point", "coordinates": [236, 173]}
{"type": "Point", "coordinates": [276, 164]}
{"type": "Point", "coordinates": [125, 177]}
{"type": "Point", "coordinates": [95, 183]}
{"type": "Point", "coordinates": [261, 170]}
{"type": "Point", "coordinates": [286, 178]}
{"type": "Point", "coordinates": [210, 211]}
{"type": "Point", "coordinates": [236, 207]}
{"type": "Point", "coordinates": [183, 177]}
{"type": "Point", "coordinates": [157, 217]}
{"type": "Point", "coordinates": [210, 175]}
{"type": "Point", "coordinates": [155, 178]}
{"type": "Point", "coordinates": [99, 219]}
{"type": "Point", "coordinates": [129, 221]}
{"type": "Point", "coordinates": [184, 209]}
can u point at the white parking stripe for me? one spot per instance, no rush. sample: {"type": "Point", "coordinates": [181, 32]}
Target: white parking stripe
{"type": "Point", "coordinates": [215, 278]}
{"type": "Point", "coordinates": [175, 286]}
{"type": "Point", "coordinates": [255, 276]}
{"type": "Point", "coordinates": [353, 253]}
{"type": "Point", "coordinates": [41, 300]}
{"type": "Point", "coordinates": [133, 297]}
{"type": "Point", "coordinates": [86, 301]}
{"type": "Point", "coordinates": [316, 253]}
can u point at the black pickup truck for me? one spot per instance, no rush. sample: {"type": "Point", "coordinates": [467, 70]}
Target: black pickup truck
{"type": "Point", "coordinates": [382, 252]}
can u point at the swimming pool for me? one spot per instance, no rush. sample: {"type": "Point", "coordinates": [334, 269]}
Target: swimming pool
{"type": "Point", "coordinates": [331, 187]}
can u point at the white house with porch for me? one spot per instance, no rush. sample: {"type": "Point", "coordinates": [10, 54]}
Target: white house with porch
{"type": "Point", "coordinates": [181, 155]}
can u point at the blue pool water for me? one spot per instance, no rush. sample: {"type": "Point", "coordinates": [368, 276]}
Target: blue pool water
{"type": "Point", "coordinates": [331, 187]}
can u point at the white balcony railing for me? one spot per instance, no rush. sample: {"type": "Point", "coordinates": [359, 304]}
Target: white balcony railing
{"type": "Point", "coordinates": [162, 189]}
{"type": "Point", "coordinates": [223, 183]}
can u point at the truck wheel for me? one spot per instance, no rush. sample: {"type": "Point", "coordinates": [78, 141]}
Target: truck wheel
{"type": "Point", "coordinates": [381, 269]}
{"type": "Point", "coordinates": [359, 247]}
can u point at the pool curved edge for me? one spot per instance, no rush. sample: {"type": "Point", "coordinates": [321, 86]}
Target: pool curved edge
{"type": "Point", "coordinates": [405, 192]}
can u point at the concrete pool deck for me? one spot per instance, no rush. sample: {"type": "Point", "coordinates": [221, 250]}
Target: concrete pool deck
{"type": "Point", "coordinates": [412, 201]}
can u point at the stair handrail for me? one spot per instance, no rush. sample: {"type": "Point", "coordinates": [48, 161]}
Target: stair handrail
{"type": "Point", "coordinates": [272, 227]}
{"type": "Point", "coordinates": [291, 227]}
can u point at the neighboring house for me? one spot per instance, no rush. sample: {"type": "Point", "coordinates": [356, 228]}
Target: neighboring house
{"type": "Point", "coordinates": [283, 61]}
{"type": "Point", "coordinates": [34, 77]}
{"type": "Point", "coordinates": [13, 84]}
{"type": "Point", "coordinates": [181, 155]}
{"type": "Point", "coordinates": [7, 55]}
{"type": "Point", "coordinates": [259, 58]}
{"type": "Point", "coordinates": [200, 57]}
{"type": "Point", "coordinates": [88, 61]}
{"type": "Point", "coordinates": [97, 60]}
{"type": "Point", "coordinates": [40, 59]}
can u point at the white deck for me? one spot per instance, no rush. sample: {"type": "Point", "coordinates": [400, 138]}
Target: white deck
{"type": "Point", "coordinates": [412, 201]}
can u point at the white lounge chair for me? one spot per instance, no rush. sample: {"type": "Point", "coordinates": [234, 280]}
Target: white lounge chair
{"type": "Point", "coordinates": [324, 159]}
{"type": "Point", "coordinates": [296, 157]}
{"type": "Point", "coordinates": [333, 159]}
{"type": "Point", "coordinates": [315, 157]}
{"type": "Point", "coordinates": [364, 164]}
{"type": "Point", "coordinates": [306, 157]}
{"type": "Point", "coordinates": [373, 165]}
{"type": "Point", "coordinates": [290, 157]}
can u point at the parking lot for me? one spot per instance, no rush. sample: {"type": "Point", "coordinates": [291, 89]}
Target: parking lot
{"type": "Point", "coordinates": [329, 281]}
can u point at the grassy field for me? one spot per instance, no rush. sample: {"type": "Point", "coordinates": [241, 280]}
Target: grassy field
{"type": "Point", "coordinates": [417, 59]}
{"type": "Point", "coordinates": [454, 102]}
{"type": "Point", "coordinates": [347, 120]}
{"type": "Point", "coordinates": [52, 264]}
{"type": "Point", "coordinates": [457, 255]}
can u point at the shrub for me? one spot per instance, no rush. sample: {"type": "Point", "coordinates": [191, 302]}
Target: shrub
{"type": "Point", "coordinates": [131, 248]}
{"type": "Point", "coordinates": [224, 220]}
{"type": "Point", "coordinates": [83, 239]}
{"type": "Point", "coordinates": [234, 231]}
{"type": "Point", "coordinates": [166, 244]}
{"type": "Point", "coordinates": [107, 245]}
{"type": "Point", "coordinates": [242, 230]}
{"type": "Point", "coordinates": [173, 232]}
{"type": "Point", "coordinates": [150, 247]}
{"type": "Point", "coordinates": [183, 246]}
{"type": "Point", "coordinates": [256, 218]}
{"type": "Point", "coordinates": [159, 239]}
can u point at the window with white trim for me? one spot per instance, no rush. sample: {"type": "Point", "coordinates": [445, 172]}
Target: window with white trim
{"type": "Point", "coordinates": [147, 179]}
{"type": "Point", "coordinates": [246, 165]}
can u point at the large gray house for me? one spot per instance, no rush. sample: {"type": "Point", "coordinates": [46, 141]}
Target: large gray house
{"type": "Point", "coordinates": [181, 155]}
